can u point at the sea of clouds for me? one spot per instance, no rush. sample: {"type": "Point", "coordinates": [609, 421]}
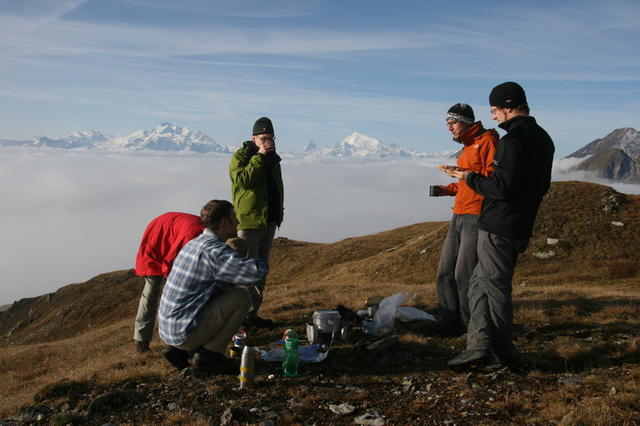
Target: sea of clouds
{"type": "Point", "coordinates": [66, 217]}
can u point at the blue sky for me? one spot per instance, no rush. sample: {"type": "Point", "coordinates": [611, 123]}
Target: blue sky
{"type": "Point", "coordinates": [320, 69]}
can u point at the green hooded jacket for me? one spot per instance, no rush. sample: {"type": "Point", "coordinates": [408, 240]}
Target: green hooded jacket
{"type": "Point", "coordinates": [249, 187]}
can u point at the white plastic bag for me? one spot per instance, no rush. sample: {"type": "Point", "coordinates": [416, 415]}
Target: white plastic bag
{"type": "Point", "coordinates": [384, 319]}
{"type": "Point", "coordinates": [409, 313]}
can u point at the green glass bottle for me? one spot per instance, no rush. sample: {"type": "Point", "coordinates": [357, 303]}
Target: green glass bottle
{"type": "Point", "coordinates": [290, 361]}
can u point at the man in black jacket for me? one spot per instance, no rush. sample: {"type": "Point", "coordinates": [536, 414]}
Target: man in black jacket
{"type": "Point", "coordinates": [512, 194]}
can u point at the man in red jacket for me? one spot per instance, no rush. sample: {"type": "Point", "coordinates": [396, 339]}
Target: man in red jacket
{"type": "Point", "coordinates": [162, 240]}
{"type": "Point", "coordinates": [459, 254]}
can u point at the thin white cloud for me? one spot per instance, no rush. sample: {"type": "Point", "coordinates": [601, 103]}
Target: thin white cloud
{"type": "Point", "coordinates": [38, 12]}
{"type": "Point", "coordinates": [256, 9]}
{"type": "Point", "coordinates": [81, 38]}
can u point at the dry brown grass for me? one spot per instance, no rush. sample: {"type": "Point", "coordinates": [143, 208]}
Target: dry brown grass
{"type": "Point", "coordinates": [103, 356]}
{"type": "Point", "coordinates": [620, 270]}
{"type": "Point", "coordinates": [576, 319]}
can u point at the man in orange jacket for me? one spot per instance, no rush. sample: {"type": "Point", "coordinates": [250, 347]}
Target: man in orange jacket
{"type": "Point", "coordinates": [161, 242]}
{"type": "Point", "coordinates": [459, 256]}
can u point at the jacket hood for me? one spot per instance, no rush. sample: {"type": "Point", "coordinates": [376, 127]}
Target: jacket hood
{"type": "Point", "coordinates": [472, 132]}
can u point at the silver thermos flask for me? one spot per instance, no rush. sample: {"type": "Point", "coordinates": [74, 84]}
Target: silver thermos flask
{"type": "Point", "coordinates": [247, 367]}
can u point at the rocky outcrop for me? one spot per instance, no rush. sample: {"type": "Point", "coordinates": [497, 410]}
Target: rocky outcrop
{"type": "Point", "coordinates": [625, 139]}
{"type": "Point", "coordinates": [613, 164]}
{"type": "Point", "coordinates": [615, 157]}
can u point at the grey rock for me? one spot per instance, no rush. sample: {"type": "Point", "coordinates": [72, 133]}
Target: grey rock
{"type": "Point", "coordinates": [569, 379]}
{"type": "Point", "coordinates": [270, 414]}
{"type": "Point", "coordinates": [234, 414]}
{"type": "Point", "coordinates": [107, 401]}
{"type": "Point", "coordinates": [30, 414]}
{"type": "Point", "coordinates": [227, 417]}
{"type": "Point", "coordinates": [62, 419]}
{"type": "Point", "coordinates": [544, 254]}
{"type": "Point", "coordinates": [370, 418]}
{"type": "Point", "coordinates": [341, 409]}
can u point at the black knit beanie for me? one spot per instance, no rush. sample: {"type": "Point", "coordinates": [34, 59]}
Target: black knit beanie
{"type": "Point", "coordinates": [507, 95]}
{"type": "Point", "coordinates": [263, 125]}
{"type": "Point", "coordinates": [461, 113]}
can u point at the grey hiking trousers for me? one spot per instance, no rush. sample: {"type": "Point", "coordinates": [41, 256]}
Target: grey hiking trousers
{"type": "Point", "coordinates": [491, 322]}
{"type": "Point", "coordinates": [259, 243]}
{"type": "Point", "coordinates": [457, 261]}
{"type": "Point", "coordinates": [147, 308]}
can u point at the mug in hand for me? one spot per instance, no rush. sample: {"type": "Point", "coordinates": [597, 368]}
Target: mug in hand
{"type": "Point", "coordinates": [435, 191]}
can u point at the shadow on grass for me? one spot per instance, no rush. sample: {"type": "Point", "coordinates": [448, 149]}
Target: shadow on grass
{"type": "Point", "coordinates": [580, 329]}
{"type": "Point", "coordinates": [603, 355]}
{"type": "Point", "coordinates": [73, 389]}
{"type": "Point", "coordinates": [584, 306]}
{"type": "Point", "coordinates": [398, 358]}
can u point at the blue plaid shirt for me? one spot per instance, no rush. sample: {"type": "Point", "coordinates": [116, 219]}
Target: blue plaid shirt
{"type": "Point", "coordinates": [204, 268]}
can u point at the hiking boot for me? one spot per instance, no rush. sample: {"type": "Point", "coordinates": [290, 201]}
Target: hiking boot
{"type": "Point", "coordinates": [511, 360]}
{"type": "Point", "coordinates": [469, 358]}
{"type": "Point", "coordinates": [141, 347]}
{"type": "Point", "coordinates": [258, 322]}
{"type": "Point", "coordinates": [215, 362]}
{"type": "Point", "coordinates": [177, 357]}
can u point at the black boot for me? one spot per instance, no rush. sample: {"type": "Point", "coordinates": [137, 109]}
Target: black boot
{"type": "Point", "coordinates": [469, 358]}
{"type": "Point", "coordinates": [177, 357]}
{"type": "Point", "coordinates": [214, 362]}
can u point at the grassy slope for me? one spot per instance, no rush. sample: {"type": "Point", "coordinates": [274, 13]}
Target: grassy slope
{"type": "Point", "coordinates": [589, 288]}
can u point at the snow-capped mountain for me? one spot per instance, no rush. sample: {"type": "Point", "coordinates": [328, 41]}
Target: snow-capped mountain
{"type": "Point", "coordinates": [164, 138]}
{"type": "Point", "coordinates": [167, 137]}
{"type": "Point", "coordinates": [362, 146]}
{"type": "Point", "coordinates": [75, 140]}
{"type": "Point", "coordinates": [359, 145]}
{"type": "Point", "coordinates": [614, 157]}
{"type": "Point", "coordinates": [309, 148]}
{"type": "Point", "coordinates": [625, 139]}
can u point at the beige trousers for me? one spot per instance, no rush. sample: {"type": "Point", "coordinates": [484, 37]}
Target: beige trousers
{"type": "Point", "coordinates": [219, 320]}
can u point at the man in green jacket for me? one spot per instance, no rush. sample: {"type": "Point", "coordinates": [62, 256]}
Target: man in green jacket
{"type": "Point", "coordinates": [258, 198]}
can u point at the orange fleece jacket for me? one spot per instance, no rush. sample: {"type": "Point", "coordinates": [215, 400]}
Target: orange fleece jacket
{"type": "Point", "coordinates": [477, 156]}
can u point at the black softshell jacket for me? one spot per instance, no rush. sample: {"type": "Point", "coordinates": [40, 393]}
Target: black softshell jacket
{"type": "Point", "coordinates": [521, 177]}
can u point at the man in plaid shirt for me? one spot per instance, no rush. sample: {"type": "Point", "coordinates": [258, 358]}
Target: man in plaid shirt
{"type": "Point", "coordinates": [205, 298]}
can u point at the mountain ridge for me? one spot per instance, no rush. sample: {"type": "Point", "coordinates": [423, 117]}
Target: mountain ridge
{"type": "Point", "coordinates": [170, 138]}
{"type": "Point", "coordinates": [614, 157]}
{"type": "Point", "coordinates": [625, 139]}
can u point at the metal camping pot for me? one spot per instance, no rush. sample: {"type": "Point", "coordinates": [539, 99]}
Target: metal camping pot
{"type": "Point", "coordinates": [328, 325]}
{"type": "Point", "coordinates": [327, 322]}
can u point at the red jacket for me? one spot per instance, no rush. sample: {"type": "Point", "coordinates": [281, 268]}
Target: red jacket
{"type": "Point", "coordinates": [477, 156]}
{"type": "Point", "coordinates": [162, 240]}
